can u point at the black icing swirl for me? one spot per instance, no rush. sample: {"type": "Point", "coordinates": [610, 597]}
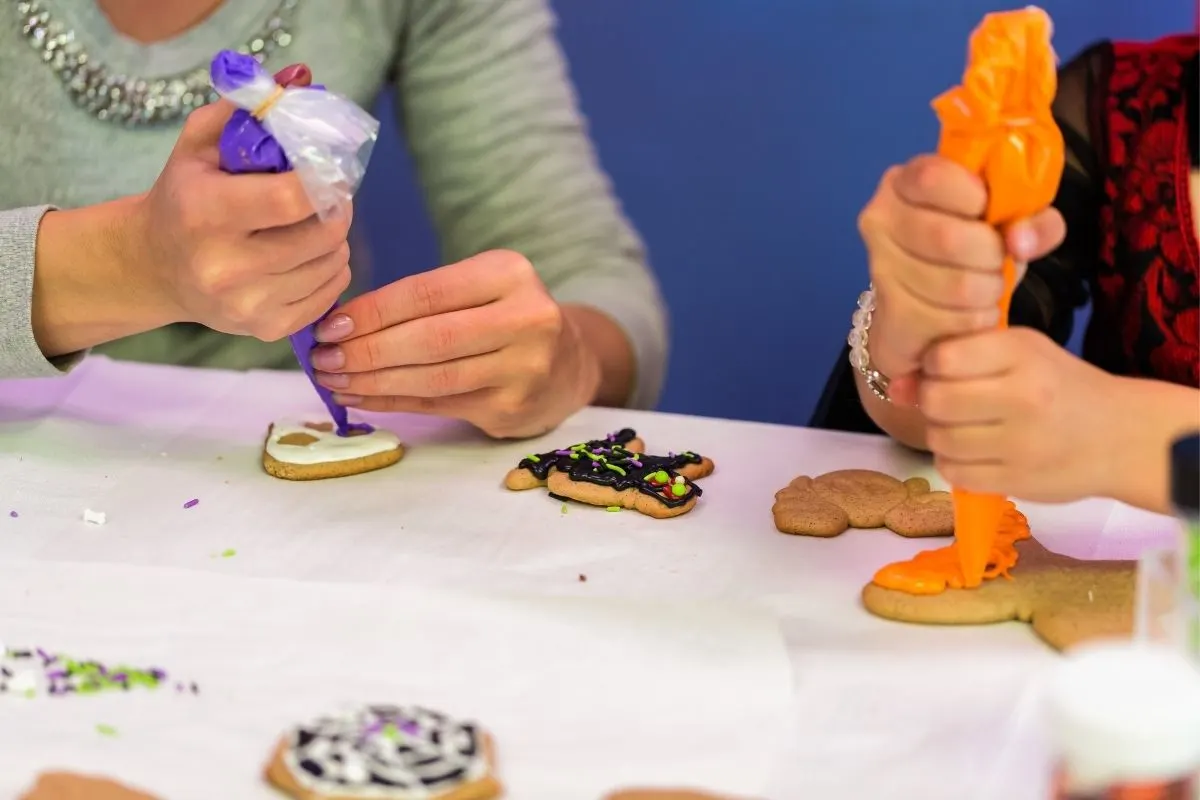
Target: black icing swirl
{"type": "Point", "coordinates": [541, 464]}
{"type": "Point", "coordinates": [620, 469]}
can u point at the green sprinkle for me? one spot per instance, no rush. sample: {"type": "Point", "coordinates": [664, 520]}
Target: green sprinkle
{"type": "Point", "coordinates": [106, 730]}
{"type": "Point", "coordinates": [661, 477]}
{"type": "Point", "coordinates": [230, 553]}
{"type": "Point", "coordinates": [580, 446]}
{"type": "Point", "coordinates": [564, 508]}
{"type": "Point", "coordinates": [30, 693]}
{"type": "Point", "coordinates": [534, 459]}
{"type": "Point", "coordinates": [678, 489]}
{"type": "Point", "coordinates": [615, 468]}
{"type": "Point", "coordinates": [613, 508]}
{"type": "Point", "coordinates": [391, 732]}
{"type": "Point", "coordinates": [574, 455]}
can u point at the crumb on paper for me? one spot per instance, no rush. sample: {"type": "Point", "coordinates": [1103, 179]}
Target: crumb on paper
{"type": "Point", "coordinates": [226, 553]}
{"type": "Point", "coordinates": [164, 455]}
{"type": "Point", "coordinates": [191, 503]}
{"type": "Point", "coordinates": [94, 517]}
{"type": "Point", "coordinates": [613, 508]}
{"type": "Point", "coordinates": [582, 578]}
{"type": "Point", "coordinates": [13, 514]}
{"type": "Point", "coordinates": [23, 682]}
{"type": "Point", "coordinates": [106, 730]}
{"type": "Point", "coordinates": [564, 508]}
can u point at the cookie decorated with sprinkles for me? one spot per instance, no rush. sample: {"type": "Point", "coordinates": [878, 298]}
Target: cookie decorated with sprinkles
{"type": "Point", "coordinates": [385, 752]}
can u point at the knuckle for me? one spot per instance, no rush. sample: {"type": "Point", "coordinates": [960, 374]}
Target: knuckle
{"type": "Point", "coordinates": [514, 265]}
{"type": "Point", "coordinates": [427, 295]}
{"type": "Point", "coordinates": [441, 340]}
{"type": "Point", "coordinates": [373, 354]}
{"type": "Point", "coordinates": [442, 379]}
{"type": "Point", "coordinates": [287, 197]}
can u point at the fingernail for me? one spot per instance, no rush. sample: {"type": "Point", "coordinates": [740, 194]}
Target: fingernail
{"type": "Point", "coordinates": [347, 399]}
{"type": "Point", "coordinates": [335, 328]}
{"type": "Point", "coordinates": [329, 358]}
{"type": "Point", "coordinates": [332, 380]}
{"type": "Point", "coordinates": [1023, 242]}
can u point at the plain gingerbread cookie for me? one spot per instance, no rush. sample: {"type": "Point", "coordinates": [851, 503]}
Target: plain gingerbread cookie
{"type": "Point", "coordinates": [831, 504]}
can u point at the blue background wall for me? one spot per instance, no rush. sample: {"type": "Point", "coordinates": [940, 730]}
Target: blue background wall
{"type": "Point", "coordinates": [744, 136]}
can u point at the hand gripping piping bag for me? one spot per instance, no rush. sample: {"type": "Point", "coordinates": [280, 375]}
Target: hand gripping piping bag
{"type": "Point", "coordinates": [326, 138]}
{"type": "Point", "coordinates": [998, 124]}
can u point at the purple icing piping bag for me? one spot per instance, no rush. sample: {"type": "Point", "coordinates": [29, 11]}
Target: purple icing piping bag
{"type": "Point", "coordinates": [247, 146]}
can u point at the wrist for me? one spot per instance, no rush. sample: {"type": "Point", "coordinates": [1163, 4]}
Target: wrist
{"type": "Point", "coordinates": [587, 375]}
{"type": "Point", "coordinates": [607, 363]}
{"type": "Point", "coordinates": [1146, 417]}
{"type": "Point", "coordinates": [87, 286]}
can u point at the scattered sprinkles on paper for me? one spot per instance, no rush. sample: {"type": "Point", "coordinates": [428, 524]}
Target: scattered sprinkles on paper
{"type": "Point", "coordinates": [33, 672]}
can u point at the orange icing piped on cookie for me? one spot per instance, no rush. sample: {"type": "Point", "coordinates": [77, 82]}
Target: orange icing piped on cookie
{"type": "Point", "coordinates": [935, 571]}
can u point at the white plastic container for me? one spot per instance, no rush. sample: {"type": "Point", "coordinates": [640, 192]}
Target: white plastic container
{"type": "Point", "coordinates": [1125, 719]}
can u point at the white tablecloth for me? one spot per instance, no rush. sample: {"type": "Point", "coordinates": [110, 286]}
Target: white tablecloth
{"type": "Point", "coordinates": [602, 649]}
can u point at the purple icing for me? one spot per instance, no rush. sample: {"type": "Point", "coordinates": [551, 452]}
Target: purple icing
{"type": "Point", "coordinates": [246, 146]}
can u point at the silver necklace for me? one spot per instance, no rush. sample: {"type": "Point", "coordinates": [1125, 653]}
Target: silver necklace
{"type": "Point", "coordinates": [130, 100]}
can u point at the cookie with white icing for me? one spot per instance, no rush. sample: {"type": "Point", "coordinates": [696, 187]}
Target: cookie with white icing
{"type": "Point", "coordinates": [383, 752]}
{"type": "Point", "coordinates": [310, 451]}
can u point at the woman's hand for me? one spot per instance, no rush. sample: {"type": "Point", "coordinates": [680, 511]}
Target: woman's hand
{"type": "Point", "coordinates": [1012, 412]}
{"type": "Point", "coordinates": [936, 265]}
{"type": "Point", "coordinates": [241, 254]}
{"type": "Point", "coordinates": [70, 786]}
{"type": "Point", "coordinates": [662, 794]}
{"type": "Point", "coordinates": [481, 340]}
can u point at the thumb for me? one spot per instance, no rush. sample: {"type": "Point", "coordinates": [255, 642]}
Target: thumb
{"type": "Point", "coordinates": [202, 129]}
{"type": "Point", "coordinates": [1037, 236]}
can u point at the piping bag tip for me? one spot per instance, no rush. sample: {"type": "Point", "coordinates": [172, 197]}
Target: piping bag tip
{"type": "Point", "coordinates": [976, 523]}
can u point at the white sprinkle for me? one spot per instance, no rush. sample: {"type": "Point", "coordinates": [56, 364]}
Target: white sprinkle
{"type": "Point", "coordinates": [23, 682]}
{"type": "Point", "coordinates": [679, 479]}
{"type": "Point", "coordinates": [94, 517]}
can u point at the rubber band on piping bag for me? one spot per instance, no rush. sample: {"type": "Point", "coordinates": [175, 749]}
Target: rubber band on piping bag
{"type": "Point", "coordinates": [327, 138]}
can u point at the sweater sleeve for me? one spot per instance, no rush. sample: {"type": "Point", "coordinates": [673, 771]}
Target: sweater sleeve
{"type": "Point", "coordinates": [505, 161]}
{"type": "Point", "coordinates": [20, 356]}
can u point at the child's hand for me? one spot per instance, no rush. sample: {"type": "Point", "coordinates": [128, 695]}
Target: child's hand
{"type": "Point", "coordinates": [1011, 412]}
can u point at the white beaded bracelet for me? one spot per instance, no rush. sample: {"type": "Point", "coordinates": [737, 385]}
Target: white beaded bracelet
{"type": "Point", "coordinates": [860, 359]}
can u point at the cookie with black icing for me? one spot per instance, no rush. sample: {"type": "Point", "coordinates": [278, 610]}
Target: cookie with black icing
{"type": "Point", "coordinates": [650, 485]}
{"type": "Point", "coordinates": [385, 752]}
{"type": "Point", "coordinates": [533, 470]}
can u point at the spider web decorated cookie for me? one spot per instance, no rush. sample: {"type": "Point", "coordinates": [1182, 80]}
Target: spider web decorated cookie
{"type": "Point", "coordinates": [385, 752]}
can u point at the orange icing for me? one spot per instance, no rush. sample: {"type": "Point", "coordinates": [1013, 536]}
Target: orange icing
{"type": "Point", "coordinates": [998, 124]}
{"type": "Point", "coordinates": [935, 571]}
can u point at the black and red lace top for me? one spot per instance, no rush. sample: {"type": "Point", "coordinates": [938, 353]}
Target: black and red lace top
{"type": "Point", "coordinates": [1129, 115]}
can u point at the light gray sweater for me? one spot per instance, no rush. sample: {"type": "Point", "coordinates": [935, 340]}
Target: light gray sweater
{"type": "Point", "coordinates": [486, 106]}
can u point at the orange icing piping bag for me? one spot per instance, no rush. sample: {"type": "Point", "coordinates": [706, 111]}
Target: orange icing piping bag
{"type": "Point", "coordinates": [998, 124]}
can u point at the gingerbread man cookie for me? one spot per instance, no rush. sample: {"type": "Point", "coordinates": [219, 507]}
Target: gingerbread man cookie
{"type": "Point", "coordinates": [1066, 600]}
{"type": "Point", "coordinates": [386, 753]}
{"type": "Point", "coordinates": [830, 504]}
{"type": "Point", "coordinates": [309, 451]}
{"type": "Point", "coordinates": [533, 470]}
{"type": "Point", "coordinates": [611, 472]}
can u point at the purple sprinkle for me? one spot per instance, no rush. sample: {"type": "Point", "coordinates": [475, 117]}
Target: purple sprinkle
{"type": "Point", "coordinates": [635, 462]}
{"type": "Point", "coordinates": [13, 514]}
{"type": "Point", "coordinates": [562, 452]}
{"type": "Point", "coordinates": [157, 674]}
{"type": "Point", "coordinates": [56, 674]}
{"type": "Point", "coordinates": [191, 503]}
{"type": "Point", "coordinates": [411, 728]}
{"type": "Point", "coordinates": [671, 454]}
